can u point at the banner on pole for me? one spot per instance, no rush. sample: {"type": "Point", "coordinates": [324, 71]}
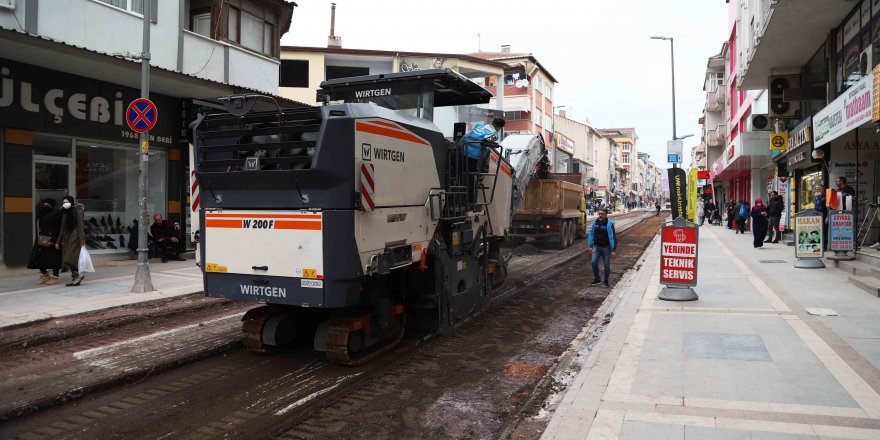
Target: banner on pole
{"type": "Point", "coordinates": [677, 192]}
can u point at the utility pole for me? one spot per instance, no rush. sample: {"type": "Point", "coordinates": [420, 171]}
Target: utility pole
{"type": "Point", "coordinates": [142, 281]}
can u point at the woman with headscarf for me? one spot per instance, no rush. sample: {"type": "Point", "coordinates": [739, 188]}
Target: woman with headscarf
{"type": "Point", "coordinates": [46, 256]}
{"type": "Point", "coordinates": [72, 238]}
{"type": "Point", "coordinates": [759, 222]}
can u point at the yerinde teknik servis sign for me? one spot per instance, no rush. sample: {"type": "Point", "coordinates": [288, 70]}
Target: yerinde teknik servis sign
{"type": "Point", "coordinates": [849, 111]}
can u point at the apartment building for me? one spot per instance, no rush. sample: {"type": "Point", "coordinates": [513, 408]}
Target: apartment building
{"type": "Point", "coordinates": [68, 72]}
{"type": "Point", "coordinates": [816, 59]}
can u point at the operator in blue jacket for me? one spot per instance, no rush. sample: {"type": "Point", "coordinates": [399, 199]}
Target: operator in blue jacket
{"type": "Point", "coordinates": [602, 243]}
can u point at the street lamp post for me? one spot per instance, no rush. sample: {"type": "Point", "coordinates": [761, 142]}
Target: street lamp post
{"type": "Point", "coordinates": [672, 58]}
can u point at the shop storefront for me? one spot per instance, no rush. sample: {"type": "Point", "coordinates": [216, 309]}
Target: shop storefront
{"type": "Point", "coordinates": [848, 143]}
{"type": "Point", "coordinates": [564, 153]}
{"type": "Point", "coordinates": [66, 134]}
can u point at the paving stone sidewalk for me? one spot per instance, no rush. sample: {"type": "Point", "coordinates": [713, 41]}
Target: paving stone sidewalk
{"type": "Point", "coordinates": [754, 357]}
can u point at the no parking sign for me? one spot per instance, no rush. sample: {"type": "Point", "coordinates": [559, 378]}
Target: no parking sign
{"type": "Point", "coordinates": [141, 115]}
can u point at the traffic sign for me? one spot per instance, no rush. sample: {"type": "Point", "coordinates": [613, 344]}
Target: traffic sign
{"type": "Point", "coordinates": [141, 115]}
{"type": "Point", "coordinates": [778, 141]}
{"type": "Point", "coordinates": [673, 158]}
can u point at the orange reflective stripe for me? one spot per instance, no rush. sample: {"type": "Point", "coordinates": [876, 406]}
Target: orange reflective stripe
{"type": "Point", "coordinates": [223, 224]}
{"type": "Point", "coordinates": [247, 216]}
{"type": "Point", "coordinates": [288, 224]}
{"type": "Point", "coordinates": [397, 134]}
{"type": "Point", "coordinates": [387, 124]}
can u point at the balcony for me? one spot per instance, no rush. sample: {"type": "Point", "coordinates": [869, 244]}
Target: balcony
{"type": "Point", "coordinates": [518, 103]}
{"type": "Point", "coordinates": [222, 62]}
{"type": "Point", "coordinates": [716, 100]}
{"type": "Point", "coordinates": [717, 136]}
{"type": "Point", "coordinates": [787, 33]}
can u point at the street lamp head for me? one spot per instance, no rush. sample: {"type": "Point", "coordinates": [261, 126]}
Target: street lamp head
{"type": "Point", "coordinates": [683, 137]}
{"type": "Point", "coordinates": [660, 38]}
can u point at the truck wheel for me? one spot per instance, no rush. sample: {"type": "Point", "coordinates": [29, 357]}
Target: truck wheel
{"type": "Point", "coordinates": [571, 233]}
{"type": "Point", "coordinates": [562, 238]}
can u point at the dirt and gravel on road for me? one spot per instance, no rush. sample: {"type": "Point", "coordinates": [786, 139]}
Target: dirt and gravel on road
{"type": "Point", "coordinates": [475, 381]}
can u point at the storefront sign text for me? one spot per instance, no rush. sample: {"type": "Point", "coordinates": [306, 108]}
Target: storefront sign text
{"type": "Point", "coordinates": [678, 256]}
{"type": "Point", "coordinates": [55, 102]}
{"type": "Point", "coordinates": [808, 236]}
{"type": "Point", "coordinates": [845, 113]}
{"type": "Point", "coordinates": [840, 233]}
{"type": "Point", "coordinates": [800, 137]}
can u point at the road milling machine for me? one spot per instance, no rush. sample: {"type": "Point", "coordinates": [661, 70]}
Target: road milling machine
{"type": "Point", "coordinates": [353, 220]}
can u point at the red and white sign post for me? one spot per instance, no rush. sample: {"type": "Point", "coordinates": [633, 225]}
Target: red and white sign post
{"type": "Point", "coordinates": [678, 260]}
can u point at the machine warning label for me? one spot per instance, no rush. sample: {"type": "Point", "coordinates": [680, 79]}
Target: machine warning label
{"type": "Point", "coordinates": [273, 292]}
{"type": "Point", "coordinates": [387, 154]}
{"type": "Point", "coordinates": [312, 284]}
{"type": "Point", "coordinates": [309, 273]}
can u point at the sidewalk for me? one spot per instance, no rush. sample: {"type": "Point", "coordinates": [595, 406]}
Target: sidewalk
{"type": "Point", "coordinates": [22, 301]}
{"type": "Point", "coordinates": [747, 360]}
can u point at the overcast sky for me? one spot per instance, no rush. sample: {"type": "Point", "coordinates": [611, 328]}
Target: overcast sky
{"type": "Point", "coordinates": [600, 51]}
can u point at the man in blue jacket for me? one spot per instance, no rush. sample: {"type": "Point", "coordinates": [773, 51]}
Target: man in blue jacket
{"type": "Point", "coordinates": [602, 243]}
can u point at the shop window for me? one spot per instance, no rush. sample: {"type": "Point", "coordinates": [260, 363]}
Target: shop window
{"type": "Point", "coordinates": [294, 73]}
{"type": "Point", "coordinates": [107, 186]}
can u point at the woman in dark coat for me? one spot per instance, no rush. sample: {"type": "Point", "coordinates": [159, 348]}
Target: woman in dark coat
{"type": "Point", "coordinates": [72, 238]}
{"type": "Point", "coordinates": [759, 222]}
{"type": "Point", "coordinates": [48, 258]}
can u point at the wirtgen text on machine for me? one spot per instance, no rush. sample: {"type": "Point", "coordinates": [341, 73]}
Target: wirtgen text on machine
{"type": "Point", "coordinates": [373, 92]}
{"type": "Point", "coordinates": [274, 292]}
{"type": "Point", "coordinates": [386, 154]}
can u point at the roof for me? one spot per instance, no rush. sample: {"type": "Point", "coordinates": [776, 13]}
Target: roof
{"type": "Point", "coordinates": [510, 56]}
{"type": "Point", "coordinates": [16, 35]}
{"type": "Point", "coordinates": [449, 86]}
{"type": "Point", "coordinates": [391, 53]}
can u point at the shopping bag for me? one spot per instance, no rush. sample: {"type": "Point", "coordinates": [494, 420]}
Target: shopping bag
{"type": "Point", "coordinates": [85, 261]}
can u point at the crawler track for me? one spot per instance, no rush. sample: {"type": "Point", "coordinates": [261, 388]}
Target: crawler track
{"type": "Point", "coordinates": [470, 382]}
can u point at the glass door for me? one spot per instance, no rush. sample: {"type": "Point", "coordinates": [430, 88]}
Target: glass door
{"type": "Point", "coordinates": [52, 179]}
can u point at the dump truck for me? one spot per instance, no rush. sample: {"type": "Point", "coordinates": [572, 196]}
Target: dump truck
{"type": "Point", "coordinates": [553, 210]}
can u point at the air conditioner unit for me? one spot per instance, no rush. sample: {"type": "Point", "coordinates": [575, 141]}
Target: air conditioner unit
{"type": "Point", "coordinates": [866, 61]}
{"type": "Point", "coordinates": [777, 85]}
{"type": "Point", "coordinates": [761, 123]}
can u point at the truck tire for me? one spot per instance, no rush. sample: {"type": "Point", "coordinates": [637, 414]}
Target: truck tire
{"type": "Point", "coordinates": [571, 233]}
{"type": "Point", "coordinates": [562, 240]}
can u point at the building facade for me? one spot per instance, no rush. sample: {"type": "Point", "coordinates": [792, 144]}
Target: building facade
{"type": "Point", "coordinates": [66, 83]}
{"type": "Point", "coordinates": [816, 61]}
{"type": "Point", "coordinates": [529, 92]}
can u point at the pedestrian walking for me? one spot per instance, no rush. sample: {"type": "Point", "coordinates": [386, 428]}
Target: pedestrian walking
{"type": "Point", "coordinates": [759, 222]}
{"type": "Point", "coordinates": [742, 217]}
{"type": "Point", "coordinates": [602, 244]}
{"type": "Point", "coordinates": [775, 208]}
{"type": "Point", "coordinates": [657, 206]}
{"type": "Point", "coordinates": [45, 256]}
{"type": "Point", "coordinates": [701, 212]}
{"type": "Point", "coordinates": [731, 210]}
{"type": "Point", "coordinates": [72, 238]}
